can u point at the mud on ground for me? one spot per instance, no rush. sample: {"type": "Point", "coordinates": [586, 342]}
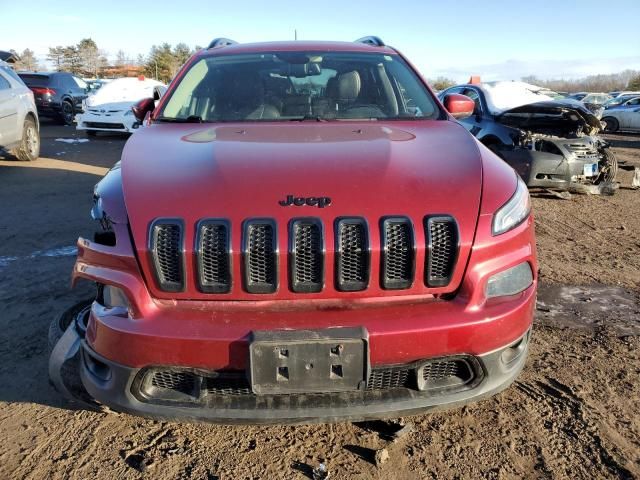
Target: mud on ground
{"type": "Point", "coordinates": [574, 412]}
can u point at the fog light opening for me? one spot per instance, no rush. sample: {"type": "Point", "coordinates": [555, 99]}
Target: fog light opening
{"type": "Point", "coordinates": [99, 369]}
{"type": "Point", "coordinates": [510, 282]}
{"type": "Point", "coordinates": [115, 300]}
{"type": "Point", "coordinates": [512, 353]}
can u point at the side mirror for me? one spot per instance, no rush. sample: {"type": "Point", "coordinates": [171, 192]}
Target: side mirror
{"type": "Point", "coordinates": [143, 107]}
{"type": "Point", "coordinates": [459, 106]}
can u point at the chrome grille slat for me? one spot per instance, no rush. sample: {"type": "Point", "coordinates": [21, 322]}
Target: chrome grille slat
{"type": "Point", "coordinates": [260, 252]}
{"type": "Point", "coordinates": [306, 240]}
{"type": "Point", "coordinates": [213, 253]}
{"type": "Point", "coordinates": [352, 254]}
{"type": "Point", "coordinates": [397, 263]}
{"type": "Point", "coordinates": [166, 247]}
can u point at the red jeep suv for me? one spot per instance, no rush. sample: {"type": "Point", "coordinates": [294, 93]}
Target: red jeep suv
{"type": "Point", "coordinates": [302, 232]}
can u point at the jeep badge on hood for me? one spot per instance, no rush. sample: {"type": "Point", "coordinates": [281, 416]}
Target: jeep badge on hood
{"type": "Point", "coordinates": [319, 202]}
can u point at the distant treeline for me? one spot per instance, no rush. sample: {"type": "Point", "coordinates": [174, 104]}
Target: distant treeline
{"type": "Point", "coordinates": [626, 80]}
{"type": "Point", "coordinates": [88, 60]}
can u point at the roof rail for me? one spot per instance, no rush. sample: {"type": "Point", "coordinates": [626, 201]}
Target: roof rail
{"type": "Point", "coordinates": [371, 40]}
{"type": "Point", "coordinates": [221, 42]}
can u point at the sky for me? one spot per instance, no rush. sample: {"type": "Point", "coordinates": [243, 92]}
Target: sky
{"type": "Point", "coordinates": [497, 39]}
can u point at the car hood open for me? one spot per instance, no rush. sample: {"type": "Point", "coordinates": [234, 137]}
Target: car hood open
{"type": "Point", "coordinates": [551, 115]}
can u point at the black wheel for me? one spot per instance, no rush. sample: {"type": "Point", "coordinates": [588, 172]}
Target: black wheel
{"type": "Point", "coordinates": [66, 112]}
{"type": "Point", "coordinates": [91, 133]}
{"type": "Point", "coordinates": [29, 148]}
{"type": "Point", "coordinates": [70, 370]}
{"type": "Point", "coordinates": [611, 124]}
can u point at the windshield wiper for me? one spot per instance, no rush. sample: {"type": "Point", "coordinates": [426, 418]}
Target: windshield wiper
{"type": "Point", "coordinates": [189, 119]}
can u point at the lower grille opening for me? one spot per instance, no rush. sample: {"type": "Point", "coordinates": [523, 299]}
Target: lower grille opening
{"type": "Point", "coordinates": [444, 374]}
{"type": "Point", "coordinates": [183, 385]}
{"type": "Point", "coordinates": [105, 126]}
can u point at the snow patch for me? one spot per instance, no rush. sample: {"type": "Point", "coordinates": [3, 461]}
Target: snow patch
{"type": "Point", "coordinates": [72, 140]}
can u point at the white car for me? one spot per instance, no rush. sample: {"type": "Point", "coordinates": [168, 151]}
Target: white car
{"type": "Point", "coordinates": [622, 119]}
{"type": "Point", "coordinates": [19, 125]}
{"type": "Point", "coordinates": [109, 108]}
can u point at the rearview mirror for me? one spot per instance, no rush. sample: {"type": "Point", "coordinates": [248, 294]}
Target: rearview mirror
{"type": "Point", "coordinates": [143, 107]}
{"type": "Point", "coordinates": [459, 106]}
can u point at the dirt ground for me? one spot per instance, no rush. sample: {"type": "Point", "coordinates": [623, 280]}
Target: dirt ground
{"type": "Point", "coordinates": [573, 413]}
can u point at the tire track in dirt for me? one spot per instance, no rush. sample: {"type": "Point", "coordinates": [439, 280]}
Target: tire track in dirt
{"type": "Point", "coordinates": [567, 418]}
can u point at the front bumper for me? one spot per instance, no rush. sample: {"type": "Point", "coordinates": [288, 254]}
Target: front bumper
{"type": "Point", "coordinates": [119, 387]}
{"type": "Point", "coordinates": [106, 122]}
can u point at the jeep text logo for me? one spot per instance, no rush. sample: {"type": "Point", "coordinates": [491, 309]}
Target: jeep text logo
{"type": "Point", "coordinates": [319, 202]}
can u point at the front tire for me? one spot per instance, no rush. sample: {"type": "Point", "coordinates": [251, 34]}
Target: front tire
{"type": "Point", "coordinates": [29, 148]}
{"type": "Point", "coordinates": [611, 124]}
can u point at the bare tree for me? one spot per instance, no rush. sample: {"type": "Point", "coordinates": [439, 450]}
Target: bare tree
{"type": "Point", "coordinates": [27, 61]}
{"type": "Point", "coordinates": [89, 56]}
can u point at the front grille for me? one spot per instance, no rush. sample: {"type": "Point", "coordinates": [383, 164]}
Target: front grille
{"type": "Point", "coordinates": [304, 264]}
{"type": "Point", "coordinates": [228, 383]}
{"type": "Point", "coordinates": [214, 256]}
{"type": "Point", "coordinates": [260, 256]}
{"type": "Point", "coordinates": [105, 126]}
{"type": "Point", "coordinates": [167, 256]}
{"type": "Point", "coordinates": [441, 234]}
{"type": "Point", "coordinates": [391, 377]}
{"type": "Point", "coordinates": [397, 264]}
{"type": "Point", "coordinates": [352, 254]}
{"type": "Point", "coordinates": [584, 151]}
{"type": "Point", "coordinates": [307, 256]}
{"type": "Point", "coordinates": [181, 382]}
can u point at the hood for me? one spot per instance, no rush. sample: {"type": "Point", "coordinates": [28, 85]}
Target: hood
{"type": "Point", "coordinates": [128, 90]}
{"type": "Point", "coordinates": [243, 171]}
{"type": "Point", "coordinates": [111, 106]}
{"type": "Point", "coordinates": [559, 115]}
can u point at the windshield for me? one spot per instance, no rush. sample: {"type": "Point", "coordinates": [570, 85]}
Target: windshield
{"type": "Point", "coordinates": [619, 100]}
{"type": "Point", "coordinates": [298, 86]}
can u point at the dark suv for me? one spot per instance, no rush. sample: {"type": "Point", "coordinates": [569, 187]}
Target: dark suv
{"type": "Point", "coordinates": [58, 95]}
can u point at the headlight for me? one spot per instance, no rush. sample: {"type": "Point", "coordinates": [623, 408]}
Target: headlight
{"type": "Point", "coordinates": [512, 213]}
{"type": "Point", "coordinates": [509, 282]}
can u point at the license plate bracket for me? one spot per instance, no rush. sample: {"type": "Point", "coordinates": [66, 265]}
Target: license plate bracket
{"type": "Point", "coordinates": [309, 361]}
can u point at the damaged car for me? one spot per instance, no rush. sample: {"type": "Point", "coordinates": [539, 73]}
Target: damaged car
{"type": "Point", "coordinates": [552, 144]}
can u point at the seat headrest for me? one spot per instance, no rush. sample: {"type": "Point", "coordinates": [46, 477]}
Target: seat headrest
{"type": "Point", "coordinates": [349, 86]}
